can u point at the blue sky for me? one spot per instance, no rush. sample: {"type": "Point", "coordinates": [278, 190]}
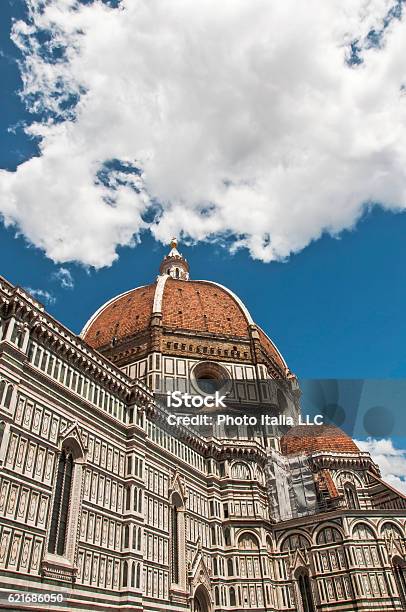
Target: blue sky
{"type": "Point", "coordinates": [335, 310]}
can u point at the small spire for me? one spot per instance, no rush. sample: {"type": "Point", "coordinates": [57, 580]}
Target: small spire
{"type": "Point", "coordinates": [174, 264]}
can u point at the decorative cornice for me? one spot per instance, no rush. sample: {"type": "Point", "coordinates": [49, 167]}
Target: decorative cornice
{"type": "Point", "coordinates": [331, 460]}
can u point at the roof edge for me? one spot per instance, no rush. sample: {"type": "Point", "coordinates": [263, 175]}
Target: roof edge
{"type": "Point", "coordinates": [103, 306]}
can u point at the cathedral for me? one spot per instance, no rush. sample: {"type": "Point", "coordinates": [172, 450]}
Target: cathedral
{"type": "Point", "coordinates": [109, 500]}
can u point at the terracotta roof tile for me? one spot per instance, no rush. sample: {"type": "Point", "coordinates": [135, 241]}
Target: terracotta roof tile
{"type": "Point", "coordinates": [315, 438]}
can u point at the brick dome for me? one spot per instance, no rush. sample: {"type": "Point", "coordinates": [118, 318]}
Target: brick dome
{"type": "Point", "coordinates": [198, 306]}
{"type": "Point", "coordinates": [317, 438]}
{"type": "Point", "coordinates": [188, 308]}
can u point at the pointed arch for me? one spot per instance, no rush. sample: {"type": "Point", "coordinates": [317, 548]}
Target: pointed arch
{"type": "Point", "coordinates": [4, 437]}
{"type": "Point", "coordinates": [227, 536]}
{"type": "Point", "coordinates": [6, 393]}
{"type": "Point", "coordinates": [351, 496]}
{"type": "Point", "coordinates": [201, 600]}
{"type": "Point", "coordinates": [178, 548]}
{"type": "Point", "coordinates": [126, 538]}
{"type": "Point", "coordinates": [2, 390]}
{"type": "Point", "coordinates": [399, 571]}
{"type": "Point", "coordinates": [138, 576]}
{"type": "Point", "coordinates": [66, 504]}
{"type": "Point", "coordinates": [125, 574]}
{"type": "Point", "coordinates": [305, 590]}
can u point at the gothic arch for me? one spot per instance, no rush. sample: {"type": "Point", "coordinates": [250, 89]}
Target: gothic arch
{"type": "Point", "coordinates": [73, 445]}
{"type": "Point", "coordinates": [177, 535]}
{"type": "Point", "coordinates": [4, 436]}
{"type": "Point", "coordinates": [201, 600]}
{"type": "Point", "coordinates": [304, 590]}
{"type": "Point", "coordinates": [6, 392]}
{"type": "Point", "coordinates": [399, 571]}
{"type": "Point", "coordinates": [66, 502]}
{"type": "Point", "coordinates": [351, 495]}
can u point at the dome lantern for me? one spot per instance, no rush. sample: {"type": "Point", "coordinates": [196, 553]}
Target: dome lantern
{"type": "Point", "coordinates": [174, 264]}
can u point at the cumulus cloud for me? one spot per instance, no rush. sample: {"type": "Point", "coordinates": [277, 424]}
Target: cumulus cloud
{"type": "Point", "coordinates": [267, 123]}
{"type": "Point", "coordinates": [64, 277]}
{"type": "Point", "coordinates": [391, 460]}
{"type": "Point", "coordinates": [42, 295]}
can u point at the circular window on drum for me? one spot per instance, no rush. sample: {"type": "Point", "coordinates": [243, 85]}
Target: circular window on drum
{"type": "Point", "coordinates": [208, 378]}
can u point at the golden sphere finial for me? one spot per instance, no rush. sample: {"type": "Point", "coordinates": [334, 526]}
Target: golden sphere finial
{"type": "Point", "coordinates": [174, 243]}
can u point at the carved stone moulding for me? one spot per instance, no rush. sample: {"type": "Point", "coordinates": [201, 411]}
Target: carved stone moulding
{"type": "Point", "coordinates": [55, 570]}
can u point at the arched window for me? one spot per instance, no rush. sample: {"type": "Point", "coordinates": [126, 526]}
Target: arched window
{"type": "Point", "coordinates": [133, 575]}
{"type": "Point", "coordinates": [216, 596]}
{"type": "Point", "coordinates": [6, 393]}
{"type": "Point", "coordinates": [175, 537]}
{"type": "Point", "coordinates": [363, 532]}
{"type": "Point", "coordinates": [60, 510]}
{"type": "Point", "coordinates": [201, 600]}
{"type": "Point", "coordinates": [138, 577]}
{"type": "Point", "coordinates": [127, 498]}
{"type": "Point", "coordinates": [305, 591]}
{"type": "Point", "coordinates": [230, 567]}
{"type": "Point", "coordinates": [232, 597]}
{"type": "Point", "coordinates": [329, 535]}
{"type": "Point", "coordinates": [139, 539]}
{"type": "Point", "coordinates": [175, 544]}
{"type": "Point", "coordinates": [390, 530]}
{"type": "Point", "coordinates": [351, 496]}
{"type": "Point", "coordinates": [227, 536]}
{"type": "Point", "coordinates": [240, 471]}
{"type": "Point", "coordinates": [125, 573]}
{"type": "Point", "coordinates": [399, 572]}
{"type": "Point", "coordinates": [247, 541]}
{"type": "Point", "coordinates": [294, 542]}
{"type": "Point", "coordinates": [126, 536]}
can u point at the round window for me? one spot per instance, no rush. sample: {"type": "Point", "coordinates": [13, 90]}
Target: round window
{"type": "Point", "coordinates": [208, 377]}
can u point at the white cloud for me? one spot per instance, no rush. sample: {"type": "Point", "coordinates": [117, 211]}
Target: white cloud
{"type": "Point", "coordinates": [42, 295]}
{"type": "Point", "coordinates": [392, 461]}
{"type": "Point", "coordinates": [64, 277]}
{"type": "Point", "coordinates": [244, 117]}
